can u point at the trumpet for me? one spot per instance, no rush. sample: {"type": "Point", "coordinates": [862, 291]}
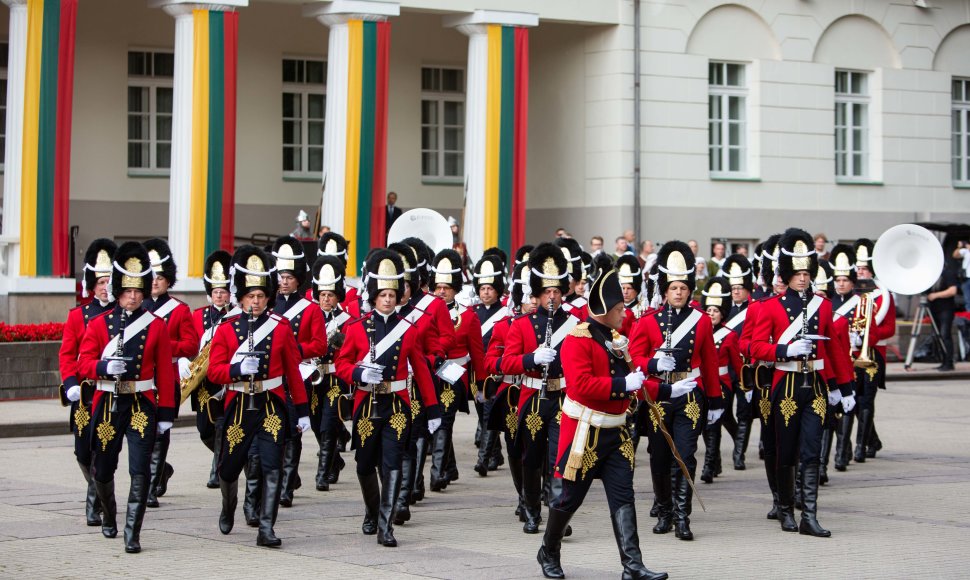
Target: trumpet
{"type": "Point", "coordinates": [862, 323]}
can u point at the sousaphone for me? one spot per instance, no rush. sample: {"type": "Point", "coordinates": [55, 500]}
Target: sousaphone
{"type": "Point", "coordinates": [425, 224]}
{"type": "Point", "coordinates": [907, 259]}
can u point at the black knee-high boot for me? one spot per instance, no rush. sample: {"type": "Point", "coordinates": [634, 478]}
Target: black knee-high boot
{"type": "Point", "coordinates": [549, 554]}
{"type": "Point", "coordinates": [92, 505]}
{"type": "Point", "coordinates": [292, 450]}
{"type": "Point", "coordinates": [439, 459]}
{"type": "Point", "coordinates": [531, 494]}
{"type": "Point", "coordinates": [268, 509]}
{"type": "Point", "coordinates": [420, 456]}
{"type": "Point", "coordinates": [254, 482]}
{"type": "Point", "coordinates": [809, 525]}
{"type": "Point", "coordinates": [106, 493]}
{"type": "Point", "coordinates": [328, 448]}
{"type": "Point", "coordinates": [771, 474]}
{"type": "Point", "coordinates": [710, 436]}
{"type": "Point", "coordinates": [385, 519]}
{"type": "Point", "coordinates": [683, 499]}
{"type": "Point", "coordinates": [161, 471]}
{"type": "Point", "coordinates": [663, 498]}
{"type": "Point", "coordinates": [741, 444]}
{"type": "Point", "coordinates": [862, 435]}
{"type": "Point", "coordinates": [370, 489]}
{"type": "Point", "coordinates": [230, 490]}
{"type": "Point", "coordinates": [823, 468]}
{"type": "Point", "coordinates": [786, 498]}
{"type": "Point", "coordinates": [843, 442]}
{"type": "Point", "coordinates": [137, 496]}
{"type": "Point", "coordinates": [628, 543]}
{"type": "Point", "coordinates": [402, 506]}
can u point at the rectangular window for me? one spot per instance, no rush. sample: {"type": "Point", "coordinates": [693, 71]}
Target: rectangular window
{"type": "Point", "coordinates": [961, 131]}
{"type": "Point", "coordinates": [851, 126]}
{"type": "Point", "coordinates": [442, 124]}
{"type": "Point", "coordinates": [150, 75]}
{"type": "Point", "coordinates": [304, 108]}
{"type": "Point", "coordinates": [727, 119]}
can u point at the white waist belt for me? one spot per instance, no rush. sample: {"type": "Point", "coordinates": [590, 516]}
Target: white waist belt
{"type": "Point", "coordinates": [460, 360]}
{"type": "Point", "coordinates": [795, 366]}
{"type": "Point", "coordinates": [553, 385]}
{"type": "Point", "coordinates": [385, 387]}
{"type": "Point", "coordinates": [586, 417]}
{"type": "Point", "coordinates": [722, 370]}
{"type": "Point", "coordinates": [258, 386]}
{"type": "Point", "coordinates": [679, 376]}
{"type": "Point", "coordinates": [510, 379]}
{"type": "Point", "coordinates": [127, 387]}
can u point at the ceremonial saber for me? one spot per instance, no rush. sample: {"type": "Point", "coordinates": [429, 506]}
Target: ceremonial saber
{"type": "Point", "coordinates": [621, 344]}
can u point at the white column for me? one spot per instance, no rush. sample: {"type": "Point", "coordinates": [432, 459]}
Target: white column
{"type": "Point", "coordinates": [335, 15]}
{"type": "Point", "coordinates": [13, 156]}
{"type": "Point", "coordinates": [180, 180]}
{"type": "Point", "coordinates": [475, 27]}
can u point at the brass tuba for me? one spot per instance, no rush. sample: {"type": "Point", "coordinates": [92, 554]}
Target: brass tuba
{"type": "Point", "coordinates": [197, 371]}
{"type": "Point", "coordinates": [862, 323]}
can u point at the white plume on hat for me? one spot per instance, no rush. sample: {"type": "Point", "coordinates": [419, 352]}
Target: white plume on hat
{"type": "Point", "coordinates": [302, 216]}
{"type": "Point", "coordinates": [452, 221]}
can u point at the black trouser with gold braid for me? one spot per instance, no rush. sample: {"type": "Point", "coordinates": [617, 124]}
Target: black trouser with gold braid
{"type": "Point", "coordinates": [133, 419]}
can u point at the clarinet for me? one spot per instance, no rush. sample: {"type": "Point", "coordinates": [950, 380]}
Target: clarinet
{"type": "Point", "coordinates": [252, 378]}
{"type": "Point", "coordinates": [543, 391]}
{"type": "Point", "coordinates": [670, 319]}
{"type": "Point", "coordinates": [804, 296]}
{"type": "Point", "coordinates": [119, 355]}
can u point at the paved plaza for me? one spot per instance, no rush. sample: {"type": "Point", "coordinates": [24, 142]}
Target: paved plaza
{"type": "Point", "coordinates": [904, 514]}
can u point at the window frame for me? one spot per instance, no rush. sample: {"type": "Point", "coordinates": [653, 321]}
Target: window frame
{"type": "Point", "coordinates": [304, 90]}
{"type": "Point", "coordinates": [441, 97]}
{"type": "Point", "coordinates": [724, 93]}
{"type": "Point", "coordinates": [960, 134]}
{"type": "Point", "coordinates": [847, 101]}
{"type": "Point", "coordinates": [153, 83]}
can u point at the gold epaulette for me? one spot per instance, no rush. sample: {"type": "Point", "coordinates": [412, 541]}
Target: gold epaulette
{"type": "Point", "coordinates": [581, 330]}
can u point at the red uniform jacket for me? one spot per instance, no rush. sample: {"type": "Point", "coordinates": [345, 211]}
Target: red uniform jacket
{"type": "Point", "coordinates": [181, 330]}
{"type": "Point", "coordinates": [151, 350]}
{"type": "Point", "coordinates": [357, 348]}
{"type": "Point", "coordinates": [468, 341]}
{"type": "Point", "coordinates": [308, 326]}
{"type": "Point", "coordinates": [728, 358]}
{"type": "Point", "coordinates": [77, 322]}
{"type": "Point", "coordinates": [525, 335]}
{"type": "Point", "coordinates": [282, 358]}
{"type": "Point", "coordinates": [747, 329]}
{"type": "Point", "coordinates": [202, 321]}
{"type": "Point", "coordinates": [649, 336]}
{"type": "Point", "coordinates": [495, 352]}
{"type": "Point", "coordinates": [776, 315]}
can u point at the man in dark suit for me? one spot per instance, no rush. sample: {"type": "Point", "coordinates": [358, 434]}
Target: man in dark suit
{"type": "Point", "coordinates": [393, 212]}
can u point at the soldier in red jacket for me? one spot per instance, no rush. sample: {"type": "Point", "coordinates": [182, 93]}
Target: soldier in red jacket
{"type": "Point", "coordinates": [573, 302]}
{"type": "Point", "coordinates": [207, 398]}
{"type": "Point", "coordinates": [128, 352]}
{"type": "Point", "coordinates": [376, 356]}
{"type": "Point", "coordinates": [715, 302]}
{"type": "Point", "coordinates": [594, 442]}
{"type": "Point", "coordinates": [184, 345]}
{"type": "Point", "coordinates": [335, 245]}
{"type": "Point", "coordinates": [77, 394]}
{"type": "Point", "coordinates": [739, 273]}
{"type": "Point", "coordinates": [308, 327]}
{"type": "Point", "coordinates": [252, 354]}
{"type": "Point", "coordinates": [808, 371]}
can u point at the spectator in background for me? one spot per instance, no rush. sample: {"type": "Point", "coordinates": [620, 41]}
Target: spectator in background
{"type": "Point", "coordinates": [393, 212]}
{"type": "Point", "coordinates": [821, 243]}
{"type": "Point", "coordinates": [714, 264]}
{"type": "Point", "coordinates": [631, 242]}
{"type": "Point", "coordinates": [700, 273]}
{"type": "Point", "coordinates": [943, 309]}
{"type": "Point", "coordinates": [323, 230]}
{"type": "Point", "coordinates": [647, 256]}
{"type": "Point", "coordinates": [562, 233]}
{"type": "Point", "coordinates": [621, 247]}
{"type": "Point", "coordinates": [302, 231]}
{"type": "Point", "coordinates": [741, 249]}
{"type": "Point", "coordinates": [595, 245]}
{"type": "Point", "coordinates": [963, 252]}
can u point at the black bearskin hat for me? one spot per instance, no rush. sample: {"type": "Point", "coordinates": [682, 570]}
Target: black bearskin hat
{"type": "Point", "coordinates": [489, 270]}
{"type": "Point", "coordinates": [132, 269]}
{"type": "Point", "coordinates": [756, 263]}
{"type": "Point", "coordinates": [333, 244]}
{"type": "Point", "coordinates": [574, 255]}
{"type": "Point", "coordinates": [385, 271]}
{"type": "Point", "coordinates": [796, 253]}
{"type": "Point", "coordinates": [842, 261]}
{"type": "Point", "coordinates": [97, 264]}
{"type": "Point", "coordinates": [675, 263]}
{"type": "Point", "coordinates": [520, 288]}
{"type": "Point", "coordinates": [290, 257]}
{"type": "Point", "coordinates": [587, 265]}
{"type": "Point", "coordinates": [328, 275]}
{"type": "Point", "coordinates": [162, 260]}
{"type": "Point", "coordinates": [824, 280]}
{"type": "Point", "coordinates": [548, 268]}
{"type": "Point", "coordinates": [251, 269]}
{"type": "Point", "coordinates": [409, 257]}
{"type": "Point", "coordinates": [522, 254]}
{"type": "Point", "coordinates": [717, 293]}
{"type": "Point", "coordinates": [446, 269]}
{"type": "Point", "coordinates": [601, 263]}
{"type": "Point", "coordinates": [629, 272]}
{"type": "Point", "coordinates": [652, 276]}
{"type": "Point", "coordinates": [862, 250]}
{"type": "Point", "coordinates": [215, 273]}
{"type": "Point", "coordinates": [501, 255]}
{"type": "Point", "coordinates": [768, 258]}
{"type": "Point", "coordinates": [425, 256]}
{"type": "Point", "coordinates": [737, 269]}
{"type": "Point", "coordinates": [605, 293]}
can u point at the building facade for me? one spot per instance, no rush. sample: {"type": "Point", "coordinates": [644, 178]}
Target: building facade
{"type": "Point", "coordinates": [842, 117]}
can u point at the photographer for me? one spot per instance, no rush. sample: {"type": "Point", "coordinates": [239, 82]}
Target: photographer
{"type": "Point", "coordinates": [963, 253]}
{"type": "Point", "coordinates": [943, 308]}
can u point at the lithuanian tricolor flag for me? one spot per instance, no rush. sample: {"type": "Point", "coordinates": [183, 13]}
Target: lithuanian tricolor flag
{"type": "Point", "coordinates": [506, 137]}
{"type": "Point", "coordinates": [366, 150]}
{"type": "Point", "coordinates": [46, 170]}
{"type": "Point", "coordinates": [213, 182]}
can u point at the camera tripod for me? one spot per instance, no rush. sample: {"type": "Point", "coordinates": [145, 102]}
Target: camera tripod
{"type": "Point", "coordinates": [923, 311]}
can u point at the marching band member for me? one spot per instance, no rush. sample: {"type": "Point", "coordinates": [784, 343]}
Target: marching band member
{"type": "Point", "coordinates": [594, 442]}
{"type": "Point", "coordinates": [335, 245]}
{"type": "Point", "coordinates": [207, 398]}
{"type": "Point", "coordinates": [310, 333]}
{"type": "Point", "coordinates": [379, 348]}
{"type": "Point", "coordinates": [630, 276]}
{"type": "Point", "coordinates": [185, 345]}
{"type": "Point", "coordinates": [327, 395]}
{"type": "Point", "coordinates": [714, 301]}
{"type": "Point", "coordinates": [823, 285]}
{"type": "Point", "coordinates": [784, 333]}
{"type": "Point", "coordinates": [739, 273]}
{"type": "Point", "coordinates": [573, 302]}
{"type": "Point", "coordinates": [127, 350]}
{"type": "Point", "coordinates": [678, 340]}
{"type": "Point", "coordinates": [95, 279]}
{"type": "Point", "coordinates": [251, 354]}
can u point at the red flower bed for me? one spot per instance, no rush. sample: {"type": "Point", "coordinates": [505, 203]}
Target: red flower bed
{"type": "Point", "coordinates": [31, 332]}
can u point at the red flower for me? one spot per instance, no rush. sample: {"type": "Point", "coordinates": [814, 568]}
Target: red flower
{"type": "Point", "coordinates": [31, 332]}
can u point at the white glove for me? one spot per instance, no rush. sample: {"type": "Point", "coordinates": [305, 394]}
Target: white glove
{"type": "Point", "coordinates": [713, 415]}
{"type": "Point", "coordinates": [184, 370]}
{"type": "Point", "coordinates": [835, 397]}
{"type": "Point", "coordinates": [249, 366]}
{"type": "Point", "coordinates": [855, 339]}
{"type": "Point", "coordinates": [433, 425]}
{"type": "Point", "coordinates": [116, 367]}
{"type": "Point", "coordinates": [372, 376]}
{"type": "Point", "coordinates": [748, 396]}
{"type": "Point", "coordinates": [848, 403]}
{"type": "Point", "coordinates": [666, 363]}
{"type": "Point", "coordinates": [74, 393]}
{"type": "Point", "coordinates": [799, 348]}
{"type": "Point", "coordinates": [303, 424]}
{"type": "Point", "coordinates": [634, 381]}
{"type": "Point", "coordinates": [682, 387]}
{"type": "Point", "coordinates": [544, 356]}
{"type": "Point", "coordinates": [164, 426]}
